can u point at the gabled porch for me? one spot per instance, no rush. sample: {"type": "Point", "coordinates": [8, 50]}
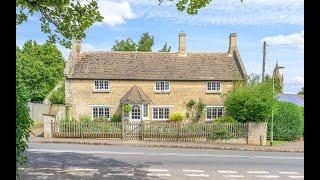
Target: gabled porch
{"type": "Point", "coordinates": [139, 103]}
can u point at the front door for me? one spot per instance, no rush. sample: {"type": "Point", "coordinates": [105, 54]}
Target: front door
{"type": "Point", "coordinates": [136, 112]}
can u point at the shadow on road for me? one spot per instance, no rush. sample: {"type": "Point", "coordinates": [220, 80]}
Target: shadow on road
{"type": "Point", "coordinates": [80, 166]}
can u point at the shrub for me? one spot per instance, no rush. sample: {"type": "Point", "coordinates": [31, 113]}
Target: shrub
{"type": "Point", "coordinates": [225, 119]}
{"type": "Point", "coordinates": [116, 118]}
{"type": "Point", "coordinates": [250, 102]}
{"type": "Point", "coordinates": [176, 116]}
{"type": "Point", "coordinates": [85, 119]}
{"type": "Point", "coordinates": [195, 111]}
{"type": "Point", "coordinates": [127, 108]}
{"type": "Point", "coordinates": [288, 122]}
{"type": "Point", "coordinates": [58, 97]}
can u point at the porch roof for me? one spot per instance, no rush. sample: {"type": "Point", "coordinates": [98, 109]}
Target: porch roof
{"type": "Point", "coordinates": [135, 96]}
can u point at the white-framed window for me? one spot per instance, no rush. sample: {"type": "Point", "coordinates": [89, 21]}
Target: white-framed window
{"type": "Point", "coordinates": [162, 86]}
{"type": "Point", "coordinates": [101, 112]}
{"type": "Point", "coordinates": [101, 85]}
{"type": "Point", "coordinates": [213, 86]}
{"type": "Point", "coordinates": [160, 113]}
{"type": "Point", "coordinates": [136, 112]}
{"type": "Point", "coordinates": [213, 112]}
{"type": "Point", "coordinates": [145, 110]}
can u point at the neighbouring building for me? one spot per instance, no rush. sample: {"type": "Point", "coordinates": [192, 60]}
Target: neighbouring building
{"type": "Point", "coordinates": [155, 84]}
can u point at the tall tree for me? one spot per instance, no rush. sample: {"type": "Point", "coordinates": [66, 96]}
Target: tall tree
{"type": "Point", "coordinates": [191, 6]}
{"type": "Point", "coordinates": [165, 48]}
{"type": "Point", "coordinates": [145, 43]}
{"type": "Point", "coordinates": [124, 45]}
{"type": "Point", "coordinates": [302, 91]}
{"type": "Point", "coordinates": [62, 20]}
{"type": "Point", "coordinates": [41, 68]}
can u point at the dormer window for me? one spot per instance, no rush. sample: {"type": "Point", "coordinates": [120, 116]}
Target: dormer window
{"type": "Point", "coordinates": [213, 86]}
{"type": "Point", "coordinates": [162, 86]}
{"type": "Point", "coordinates": [101, 85]}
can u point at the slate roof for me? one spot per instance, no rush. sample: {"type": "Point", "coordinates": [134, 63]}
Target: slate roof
{"type": "Point", "coordinates": [135, 96]}
{"type": "Point", "coordinates": [156, 66]}
{"type": "Point", "coordinates": [293, 98]}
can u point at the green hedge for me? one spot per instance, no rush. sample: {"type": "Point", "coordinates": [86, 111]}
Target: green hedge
{"type": "Point", "coordinates": [288, 123]}
{"type": "Point", "coordinates": [225, 119]}
{"type": "Point", "coordinates": [58, 96]}
{"type": "Point", "coordinates": [250, 103]}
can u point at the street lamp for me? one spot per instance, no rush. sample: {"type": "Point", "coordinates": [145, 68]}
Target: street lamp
{"type": "Point", "coordinates": [271, 133]}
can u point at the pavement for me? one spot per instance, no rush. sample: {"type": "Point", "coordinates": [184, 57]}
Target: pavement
{"type": "Point", "coordinates": [81, 161]}
{"type": "Point", "coordinates": [297, 146]}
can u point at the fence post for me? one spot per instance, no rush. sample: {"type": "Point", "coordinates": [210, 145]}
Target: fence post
{"type": "Point", "coordinates": [142, 130]}
{"type": "Point", "coordinates": [122, 130]}
{"type": "Point", "coordinates": [47, 125]}
{"type": "Point", "coordinates": [179, 131]}
{"type": "Point", "coordinates": [257, 132]}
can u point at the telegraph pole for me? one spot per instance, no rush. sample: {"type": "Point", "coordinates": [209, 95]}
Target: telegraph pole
{"type": "Point", "coordinates": [264, 59]}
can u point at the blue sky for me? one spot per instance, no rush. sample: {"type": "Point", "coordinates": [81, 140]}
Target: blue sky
{"type": "Point", "coordinates": [276, 21]}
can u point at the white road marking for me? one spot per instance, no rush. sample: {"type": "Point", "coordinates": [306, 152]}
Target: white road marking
{"type": "Point", "coordinates": [231, 172]}
{"type": "Point", "coordinates": [198, 175]}
{"type": "Point", "coordinates": [268, 176]}
{"type": "Point", "coordinates": [54, 168]}
{"type": "Point", "coordinates": [157, 170]}
{"type": "Point", "coordinates": [288, 172]}
{"type": "Point", "coordinates": [80, 169]}
{"type": "Point", "coordinates": [257, 172]}
{"type": "Point", "coordinates": [40, 173]}
{"type": "Point", "coordinates": [234, 176]}
{"type": "Point", "coordinates": [159, 174]}
{"type": "Point", "coordinates": [161, 154]}
{"type": "Point", "coordinates": [274, 157]}
{"type": "Point", "coordinates": [296, 177]}
{"type": "Point", "coordinates": [192, 170]}
{"type": "Point", "coordinates": [117, 174]}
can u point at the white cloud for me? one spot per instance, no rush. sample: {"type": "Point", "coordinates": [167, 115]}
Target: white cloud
{"type": "Point", "coordinates": [115, 13]}
{"type": "Point", "coordinates": [87, 47]}
{"type": "Point", "coordinates": [253, 12]}
{"type": "Point", "coordinates": [287, 39]}
{"type": "Point", "coordinates": [296, 81]}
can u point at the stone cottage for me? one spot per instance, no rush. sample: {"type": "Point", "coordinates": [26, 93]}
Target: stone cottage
{"type": "Point", "coordinates": [155, 84]}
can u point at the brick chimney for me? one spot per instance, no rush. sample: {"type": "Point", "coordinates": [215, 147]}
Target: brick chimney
{"type": "Point", "coordinates": [232, 43]}
{"type": "Point", "coordinates": [182, 44]}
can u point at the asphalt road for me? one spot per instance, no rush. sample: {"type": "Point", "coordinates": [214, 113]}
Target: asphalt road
{"type": "Point", "coordinates": [73, 161]}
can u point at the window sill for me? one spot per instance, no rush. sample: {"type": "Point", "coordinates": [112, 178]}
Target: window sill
{"type": "Point", "coordinates": [162, 92]}
{"type": "Point", "coordinates": [101, 91]}
{"type": "Point", "coordinates": [160, 119]}
{"type": "Point", "coordinates": [213, 92]}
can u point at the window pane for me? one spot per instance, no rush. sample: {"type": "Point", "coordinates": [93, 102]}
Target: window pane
{"type": "Point", "coordinates": [160, 113]}
{"type": "Point", "coordinates": [95, 113]}
{"type": "Point", "coordinates": [209, 113]}
{"type": "Point", "coordinates": [145, 110]}
{"type": "Point", "coordinates": [209, 86]}
{"type": "Point", "coordinates": [161, 85]}
{"type": "Point", "coordinates": [214, 113]}
{"type": "Point", "coordinates": [155, 113]}
{"type": "Point", "coordinates": [167, 85]}
{"type": "Point", "coordinates": [166, 113]}
{"type": "Point", "coordinates": [220, 112]}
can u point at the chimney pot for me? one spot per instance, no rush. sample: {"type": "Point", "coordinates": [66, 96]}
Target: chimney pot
{"type": "Point", "coordinates": [232, 43]}
{"type": "Point", "coordinates": [182, 44]}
